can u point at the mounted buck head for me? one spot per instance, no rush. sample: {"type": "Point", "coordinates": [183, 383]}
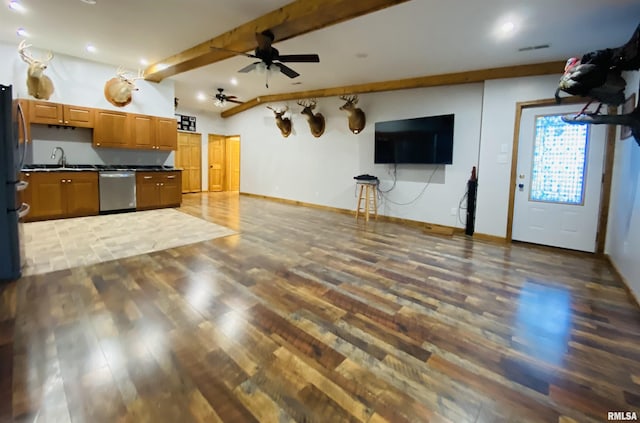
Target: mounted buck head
{"type": "Point", "coordinates": [118, 90]}
{"type": "Point", "coordinates": [38, 84]}
{"type": "Point", "coordinates": [316, 121]}
{"type": "Point", "coordinates": [357, 119]}
{"type": "Point", "coordinates": [283, 123]}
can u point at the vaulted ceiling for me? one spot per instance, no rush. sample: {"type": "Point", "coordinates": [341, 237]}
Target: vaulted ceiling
{"type": "Point", "coordinates": [410, 39]}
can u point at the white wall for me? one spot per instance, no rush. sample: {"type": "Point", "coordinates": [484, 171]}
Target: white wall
{"type": "Point", "coordinates": [321, 170]}
{"type": "Point", "coordinates": [498, 122]}
{"type": "Point", "coordinates": [623, 233]}
{"type": "Point", "coordinates": [80, 82]}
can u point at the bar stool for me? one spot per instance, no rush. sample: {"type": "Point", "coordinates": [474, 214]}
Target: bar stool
{"type": "Point", "coordinates": [367, 199]}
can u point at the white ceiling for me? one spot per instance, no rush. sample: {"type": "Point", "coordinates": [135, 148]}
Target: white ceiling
{"type": "Point", "coordinates": [417, 38]}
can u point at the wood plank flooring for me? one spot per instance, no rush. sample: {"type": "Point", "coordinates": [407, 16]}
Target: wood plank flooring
{"type": "Point", "coordinates": [307, 315]}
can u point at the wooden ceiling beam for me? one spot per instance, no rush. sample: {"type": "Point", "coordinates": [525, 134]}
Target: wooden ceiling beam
{"type": "Point", "coordinates": [547, 68]}
{"type": "Point", "coordinates": [294, 19]}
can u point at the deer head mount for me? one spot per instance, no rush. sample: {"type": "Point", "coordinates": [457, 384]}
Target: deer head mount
{"type": "Point", "coordinates": [316, 121]}
{"type": "Point", "coordinates": [283, 123]}
{"type": "Point", "coordinates": [357, 119]}
{"type": "Point", "coordinates": [118, 90]}
{"type": "Point", "coordinates": [38, 84]}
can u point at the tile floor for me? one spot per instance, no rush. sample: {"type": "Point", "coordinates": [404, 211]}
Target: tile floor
{"type": "Point", "coordinates": [64, 243]}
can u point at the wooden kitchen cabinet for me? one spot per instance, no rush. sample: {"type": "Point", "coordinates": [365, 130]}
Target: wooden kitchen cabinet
{"type": "Point", "coordinates": [166, 133]}
{"type": "Point", "coordinates": [60, 114]}
{"type": "Point", "coordinates": [143, 131]}
{"type": "Point", "coordinates": [154, 133]}
{"type": "Point", "coordinates": [54, 195]}
{"type": "Point", "coordinates": [112, 129]}
{"type": "Point", "coordinates": [158, 189]}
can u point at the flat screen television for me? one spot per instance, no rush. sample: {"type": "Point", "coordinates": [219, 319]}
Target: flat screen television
{"type": "Point", "coordinates": [427, 140]}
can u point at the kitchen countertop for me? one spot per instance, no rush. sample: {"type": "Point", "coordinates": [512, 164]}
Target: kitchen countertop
{"type": "Point", "coordinates": [95, 168]}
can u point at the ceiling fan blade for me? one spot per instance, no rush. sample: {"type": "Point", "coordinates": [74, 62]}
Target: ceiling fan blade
{"type": "Point", "coordinates": [229, 97]}
{"type": "Point", "coordinates": [288, 71]}
{"type": "Point", "coordinates": [235, 101]}
{"type": "Point", "coordinates": [249, 68]}
{"type": "Point", "coordinates": [306, 58]}
{"type": "Point", "coordinates": [239, 53]}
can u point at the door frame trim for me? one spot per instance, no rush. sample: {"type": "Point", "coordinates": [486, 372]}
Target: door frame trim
{"type": "Point", "coordinates": [609, 155]}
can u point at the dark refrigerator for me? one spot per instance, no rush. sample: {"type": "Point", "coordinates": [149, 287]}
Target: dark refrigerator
{"type": "Point", "coordinates": [12, 154]}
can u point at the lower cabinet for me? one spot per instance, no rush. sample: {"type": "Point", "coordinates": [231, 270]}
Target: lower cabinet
{"type": "Point", "coordinates": [158, 189]}
{"type": "Point", "coordinates": [55, 195]}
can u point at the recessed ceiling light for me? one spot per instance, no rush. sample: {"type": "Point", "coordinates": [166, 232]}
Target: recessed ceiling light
{"type": "Point", "coordinates": [144, 62]}
{"type": "Point", "coordinates": [507, 27]}
{"type": "Point", "coordinates": [21, 32]}
{"type": "Point", "coordinates": [201, 96]}
{"type": "Point", "coordinates": [234, 81]}
{"type": "Point", "coordinates": [91, 48]}
{"type": "Point", "coordinates": [89, 1]}
{"type": "Point", "coordinates": [17, 6]}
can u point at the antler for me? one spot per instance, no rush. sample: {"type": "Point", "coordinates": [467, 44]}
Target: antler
{"type": "Point", "coordinates": [353, 99]}
{"type": "Point", "coordinates": [310, 103]}
{"type": "Point", "coordinates": [122, 74]}
{"type": "Point", "coordinates": [279, 111]}
{"type": "Point", "coordinates": [23, 46]}
{"type": "Point", "coordinates": [24, 54]}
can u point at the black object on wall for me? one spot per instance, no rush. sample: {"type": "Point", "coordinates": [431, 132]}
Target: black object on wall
{"type": "Point", "coordinates": [472, 186]}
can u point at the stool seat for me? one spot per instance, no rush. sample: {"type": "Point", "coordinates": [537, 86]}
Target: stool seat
{"type": "Point", "coordinates": [367, 199]}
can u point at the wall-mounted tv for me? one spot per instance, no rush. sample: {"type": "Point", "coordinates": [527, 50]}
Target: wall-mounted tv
{"type": "Point", "coordinates": [419, 140]}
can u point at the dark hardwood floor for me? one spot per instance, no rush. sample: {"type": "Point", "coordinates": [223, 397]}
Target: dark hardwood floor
{"type": "Point", "coordinates": [307, 315]}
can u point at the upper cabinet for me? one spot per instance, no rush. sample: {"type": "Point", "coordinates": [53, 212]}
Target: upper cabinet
{"type": "Point", "coordinates": [166, 134]}
{"type": "Point", "coordinates": [154, 133]}
{"type": "Point", "coordinates": [61, 114]}
{"type": "Point", "coordinates": [112, 129]}
{"type": "Point", "coordinates": [143, 131]}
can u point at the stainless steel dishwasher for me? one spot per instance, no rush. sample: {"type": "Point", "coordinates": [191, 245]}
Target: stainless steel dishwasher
{"type": "Point", "coordinates": [117, 190]}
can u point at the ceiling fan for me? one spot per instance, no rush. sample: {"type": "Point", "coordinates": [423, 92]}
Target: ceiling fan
{"type": "Point", "coordinates": [221, 99]}
{"type": "Point", "coordinates": [270, 59]}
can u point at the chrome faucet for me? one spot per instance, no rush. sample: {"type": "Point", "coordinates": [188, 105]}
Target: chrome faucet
{"type": "Point", "coordinates": [63, 159]}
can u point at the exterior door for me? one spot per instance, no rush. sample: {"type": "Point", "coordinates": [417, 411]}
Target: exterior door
{"type": "Point", "coordinates": [233, 163]}
{"type": "Point", "coordinates": [216, 162]}
{"type": "Point", "coordinates": [559, 179]}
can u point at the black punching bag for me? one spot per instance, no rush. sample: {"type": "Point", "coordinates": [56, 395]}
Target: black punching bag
{"type": "Point", "coordinates": [472, 186]}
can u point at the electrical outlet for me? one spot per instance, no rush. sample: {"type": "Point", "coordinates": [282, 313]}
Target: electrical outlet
{"type": "Point", "coordinates": [454, 211]}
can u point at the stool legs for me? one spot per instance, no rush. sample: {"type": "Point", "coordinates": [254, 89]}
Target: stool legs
{"type": "Point", "coordinates": [367, 194]}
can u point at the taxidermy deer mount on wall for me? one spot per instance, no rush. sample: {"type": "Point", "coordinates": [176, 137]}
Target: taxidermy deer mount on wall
{"type": "Point", "coordinates": [118, 90]}
{"type": "Point", "coordinates": [316, 121]}
{"type": "Point", "coordinates": [38, 84]}
{"type": "Point", "coordinates": [283, 123]}
{"type": "Point", "coordinates": [597, 75]}
{"type": "Point", "coordinates": [357, 119]}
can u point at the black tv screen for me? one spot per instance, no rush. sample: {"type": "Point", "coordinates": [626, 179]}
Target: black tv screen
{"type": "Point", "coordinates": [420, 140]}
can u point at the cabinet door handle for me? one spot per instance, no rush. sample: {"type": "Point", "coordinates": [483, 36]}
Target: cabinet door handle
{"type": "Point", "coordinates": [68, 180]}
{"type": "Point", "coordinates": [147, 177]}
{"type": "Point", "coordinates": [171, 177]}
{"type": "Point", "coordinates": [98, 144]}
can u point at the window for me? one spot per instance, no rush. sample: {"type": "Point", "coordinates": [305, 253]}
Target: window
{"type": "Point", "coordinates": [559, 161]}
